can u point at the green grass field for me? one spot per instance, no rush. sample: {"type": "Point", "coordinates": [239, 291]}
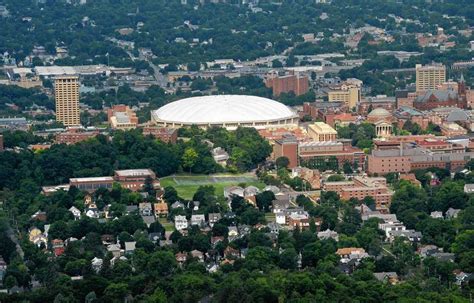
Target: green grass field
{"type": "Point", "coordinates": [186, 185]}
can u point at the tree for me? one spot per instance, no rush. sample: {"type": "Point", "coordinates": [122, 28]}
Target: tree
{"type": "Point", "coordinates": [264, 200]}
{"type": "Point", "coordinates": [347, 168]}
{"type": "Point", "coordinates": [189, 158]}
{"type": "Point", "coordinates": [117, 291]}
{"type": "Point", "coordinates": [282, 162]}
{"type": "Point", "coordinates": [288, 259]}
{"type": "Point", "coordinates": [277, 64]}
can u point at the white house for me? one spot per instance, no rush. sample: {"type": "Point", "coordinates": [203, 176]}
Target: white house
{"type": "Point", "coordinates": [198, 220]}
{"type": "Point", "coordinates": [180, 222]}
{"type": "Point", "coordinates": [75, 212]}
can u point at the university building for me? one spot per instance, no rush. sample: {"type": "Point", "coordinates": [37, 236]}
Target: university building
{"type": "Point", "coordinates": [66, 95]}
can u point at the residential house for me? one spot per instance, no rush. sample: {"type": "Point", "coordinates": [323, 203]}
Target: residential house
{"type": "Point", "coordinates": [149, 220]}
{"type": "Point", "coordinates": [131, 209]}
{"type": "Point", "coordinates": [231, 191]}
{"type": "Point", "coordinates": [220, 156]}
{"type": "Point", "coordinates": [231, 252]}
{"type": "Point", "coordinates": [298, 220]}
{"type": "Point", "coordinates": [328, 234]}
{"type": "Point", "coordinates": [107, 239]}
{"type": "Point", "coordinates": [214, 218]}
{"type": "Point", "coordinates": [250, 191]}
{"type": "Point", "coordinates": [115, 250]}
{"type": "Point", "coordinates": [161, 209]}
{"type": "Point", "coordinates": [389, 226]}
{"type": "Point", "coordinates": [352, 253]}
{"type": "Point", "coordinates": [39, 216]}
{"type": "Point", "coordinates": [130, 247]}
{"type": "Point", "coordinates": [452, 213]}
{"type": "Point", "coordinates": [180, 222]}
{"type": "Point", "coordinates": [274, 227]}
{"type": "Point", "coordinates": [75, 212]}
{"type": "Point", "coordinates": [463, 278]}
{"type": "Point", "coordinates": [469, 188]}
{"type": "Point", "coordinates": [176, 205]}
{"type": "Point", "coordinates": [3, 269]}
{"type": "Point", "coordinates": [57, 246]}
{"type": "Point", "coordinates": [436, 215]}
{"type": "Point", "coordinates": [390, 277]}
{"type": "Point", "coordinates": [197, 255]}
{"type": "Point", "coordinates": [37, 237]}
{"type": "Point", "coordinates": [217, 239]}
{"type": "Point", "coordinates": [428, 250]}
{"type": "Point", "coordinates": [199, 220]}
{"type": "Point", "coordinates": [233, 232]}
{"type": "Point", "coordinates": [283, 216]}
{"type": "Point", "coordinates": [181, 258]}
{"type": "Point", "coordinates": [272, 188]}
{"type": "Point", "coordinates": [410, 234]}
{"type": "Point", "coordinates": [92, 211]}
{"type": "Point", "coordinates": [281, 203]}
{"type": "Point", "coordinates": [96, 264]}
{"type": "Point", "coordinates": [154, 237]}
{"type": "Point", "coordinates": [145, 209]}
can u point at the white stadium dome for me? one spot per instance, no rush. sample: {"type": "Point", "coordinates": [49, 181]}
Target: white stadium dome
{"type": "Point", "coordinates": [229, 111]}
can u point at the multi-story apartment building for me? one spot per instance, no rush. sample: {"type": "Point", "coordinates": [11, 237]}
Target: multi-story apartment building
{"type": "Point", "coordinates": [361, 187]}
{"type": "Point", "coordinates": [287, 83]}
{"type": "Point", "coordinates": [66, 95]}
{"type": "Point", "coordinates": [348, 92]}
{"type": "Point", "coordinates": [75, 135]}
{"type": "Point", "coordinates": [429, 77]}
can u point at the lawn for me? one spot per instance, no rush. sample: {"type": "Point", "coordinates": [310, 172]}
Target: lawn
{"type": "Point", "coordinates": [186, 185]}
{"type": "Point", "coordinates": [169, 226]}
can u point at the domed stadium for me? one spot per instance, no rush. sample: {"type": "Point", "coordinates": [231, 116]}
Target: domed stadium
{"type": "Point", "coordinates": [228, 111]}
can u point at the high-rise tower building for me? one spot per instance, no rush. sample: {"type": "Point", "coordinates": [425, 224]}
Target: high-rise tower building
{"type": "Point", "coordinates": [429, 76]}
{"type": "Point", "coordinates": [66, 95]}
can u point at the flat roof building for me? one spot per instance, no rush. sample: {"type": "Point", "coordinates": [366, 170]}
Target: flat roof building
{"type": "Point", "coordinates": [429, 76]}
{"type": "Point", "coordinates": [92, 184]}
{"type": "Point", "coordinates": [122, 117]}
{"type": "Point", "coordinates": [320, 131]}
{"type": "Point", "coordinates": [66, 95]}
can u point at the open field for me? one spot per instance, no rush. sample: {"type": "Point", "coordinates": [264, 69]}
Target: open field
{"type": "Point", "coordinates": [186, 185]}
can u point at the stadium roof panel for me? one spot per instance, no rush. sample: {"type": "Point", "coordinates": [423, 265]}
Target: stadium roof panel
{"type": "Point", "coordinates": [223, 109]}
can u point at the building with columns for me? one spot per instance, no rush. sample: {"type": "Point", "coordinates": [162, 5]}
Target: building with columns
{"type": "Point", "coordinates": [320, 131]}
{"type": "Point", "coordinates": [383, 129]}
{"type": "Point", "coordinates": [382, 120]}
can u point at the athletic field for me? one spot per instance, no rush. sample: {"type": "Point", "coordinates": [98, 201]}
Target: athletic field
{"type": "Point", "coordinates": [186, 185]}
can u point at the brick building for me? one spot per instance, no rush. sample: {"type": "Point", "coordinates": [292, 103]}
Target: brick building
{"type": "Point", "coordinates": [75, 135]}
{"type": "Point", "coordinates": [167, 135]}
{"type": "Point", "coordinates": [404, 160]}
{"type": "Point", "coordinates": [122, 117]}
{"type": "Point", "coordinates": [287, 147]}
{"type": "Point", "coordinates": [362, 187]}
{"type": "Point", "coordinates": [92, 184]}
{"type": "Point", "coordinates": [368, 104]}
{"type": "Point", "coordinates": [297, 84]}
{"type": "Point", "coordinates": [330, 154]}
{"type": "Point", "coordinates": [134, 179]}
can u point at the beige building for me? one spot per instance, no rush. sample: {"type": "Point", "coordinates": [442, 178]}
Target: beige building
{"type": "Point", "coordinates": [429, 76]}
{"type": "Point", "coordinates": [66, 95]}
{"type": "Point", "coordinates": [122, 117]}
{"type": "Point", "coordinates": [348, 92]}
{"type": "Point", "coordinates": [320, 131]}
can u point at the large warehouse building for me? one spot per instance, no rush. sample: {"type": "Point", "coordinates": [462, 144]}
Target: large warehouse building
{"type": "Point", "coordinates": [229, 111]}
